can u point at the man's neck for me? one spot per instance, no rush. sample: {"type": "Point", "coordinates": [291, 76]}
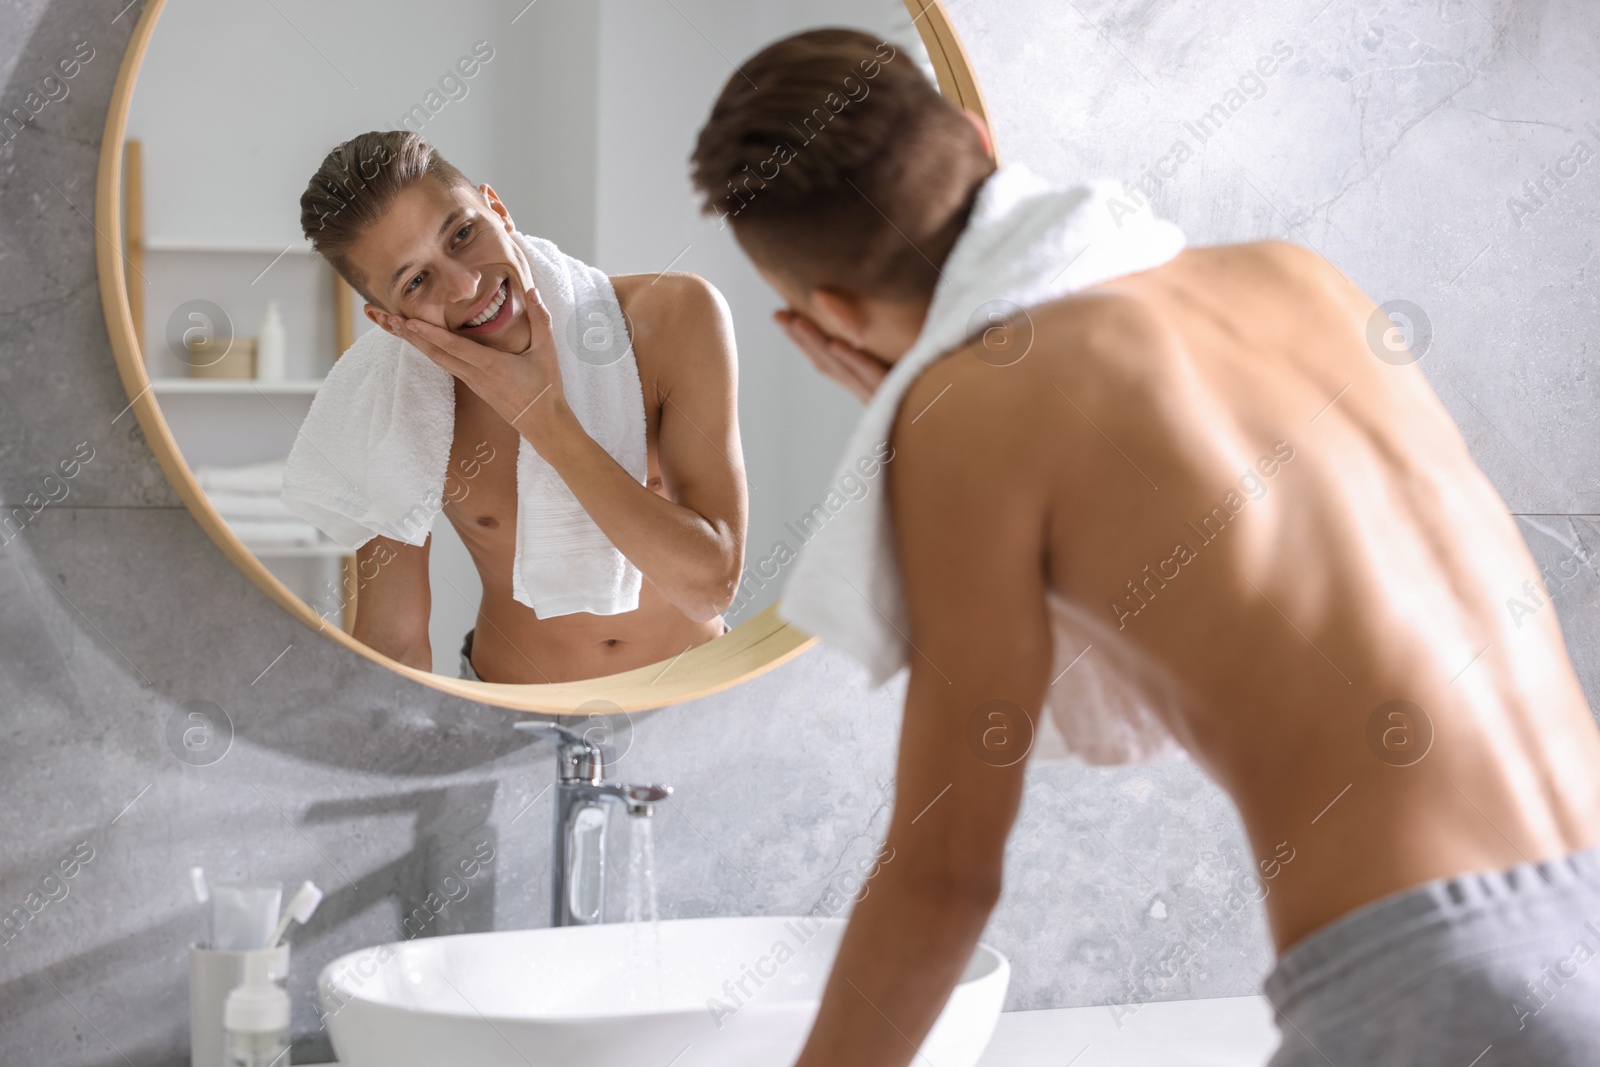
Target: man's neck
{"type": "Point", "coordinates": [902, 322]}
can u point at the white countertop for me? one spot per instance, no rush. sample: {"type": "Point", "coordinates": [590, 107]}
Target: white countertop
{"type": "Point", "coordinates": [1222, 1032]}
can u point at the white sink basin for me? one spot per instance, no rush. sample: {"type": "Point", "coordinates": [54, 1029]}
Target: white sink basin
{"type": "Point", "coordinates": [596, 996]}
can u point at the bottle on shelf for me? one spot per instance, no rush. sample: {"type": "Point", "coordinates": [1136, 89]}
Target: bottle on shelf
{"type": "Point", "coordinates": [271, 347]}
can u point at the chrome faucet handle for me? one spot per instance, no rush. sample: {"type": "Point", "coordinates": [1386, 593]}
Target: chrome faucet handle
{"type": "Point", "coordinates": [580, 759]}
{"type": "Point", "coordinates": [642, 799]}
{"type": "Point", "coordinates": [564, 732]}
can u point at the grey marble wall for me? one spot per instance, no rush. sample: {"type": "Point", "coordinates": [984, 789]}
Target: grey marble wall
{"type": "Point", "coordinates": [1391, 139]}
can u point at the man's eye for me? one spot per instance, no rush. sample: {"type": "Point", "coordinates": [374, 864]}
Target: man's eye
{"type": "Point", "coordinates": [464, 232]}
{"type": "Point", "coordinates": [413, 283]}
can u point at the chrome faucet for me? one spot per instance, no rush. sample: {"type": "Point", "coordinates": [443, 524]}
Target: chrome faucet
{"type": "Point", "coordinates": [578, 844]}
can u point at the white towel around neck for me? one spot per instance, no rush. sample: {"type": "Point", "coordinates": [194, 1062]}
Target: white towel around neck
{"type": "Point", "coordinates": [1027, 242]}
{"type": "Point", "coordinates": [371, 458]}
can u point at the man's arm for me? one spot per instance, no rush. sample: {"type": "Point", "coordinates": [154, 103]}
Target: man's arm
{"type": "Point", "coordinates": [393, 600]}
{"type": "Point", "coordinates": [692, 549]}
{"type": "Point", "coordinates": [970, 537]}
{"type": "Point", "coordinates": [692, 545]}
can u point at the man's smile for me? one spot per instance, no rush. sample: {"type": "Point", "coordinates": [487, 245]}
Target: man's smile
{"type": "Point", "coordinates": [493, 312]}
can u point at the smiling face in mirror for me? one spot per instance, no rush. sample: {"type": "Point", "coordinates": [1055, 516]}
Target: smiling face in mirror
{"type": "Point", "coordinates": [444, 252]}
{"type": "Point", "coordinates": [542, 491]}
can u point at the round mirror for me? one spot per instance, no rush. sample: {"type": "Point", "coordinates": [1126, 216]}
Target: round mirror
{"type": "Point", "coordinates": [576, 557]}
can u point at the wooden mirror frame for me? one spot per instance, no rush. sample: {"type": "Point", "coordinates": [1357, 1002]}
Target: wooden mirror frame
{"type": "Point", "coordinates": [753, 647]}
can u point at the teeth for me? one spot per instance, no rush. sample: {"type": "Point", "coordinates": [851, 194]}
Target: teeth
{"type": "Point", "coordinates": [492, 310]}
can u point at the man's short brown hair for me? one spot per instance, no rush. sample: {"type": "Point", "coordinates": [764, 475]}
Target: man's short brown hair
{"type": "Point", "coordinates": [840, 165]}
{"type": "Point", "coordinates": [355, 185]}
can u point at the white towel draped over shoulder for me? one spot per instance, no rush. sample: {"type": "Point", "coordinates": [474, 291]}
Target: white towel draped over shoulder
{"type": "Point", "coordinates": [371, 458]}
{"type": "Point", "coordinates": [1026, 243]}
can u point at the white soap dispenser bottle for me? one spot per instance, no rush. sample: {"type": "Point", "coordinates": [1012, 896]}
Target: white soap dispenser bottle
{"type": "Point", "coordinates": [255, 1018]}
{"type": "Point", "coordinates": [271, 347]}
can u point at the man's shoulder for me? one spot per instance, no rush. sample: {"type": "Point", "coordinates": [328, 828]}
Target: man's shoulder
{"type": "Point", "coordinates": [1048, 384]}
{"type": "Point", "coordinates": [1287, 256]}
{"type": "Point", "coordinates": [1271, 264]}
{"type": "Point", "coordinates": [1099, 323]}
{"type": "Point", "coordinates": [671, 300]}
{"type": "Point", "coordinates": [682, 333]}
{"type": "Point", "coordinates": [1023, 359]}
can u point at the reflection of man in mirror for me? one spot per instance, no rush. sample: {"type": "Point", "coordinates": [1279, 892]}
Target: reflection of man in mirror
{"type": "Point", "coordinates": [1206, 480]}
{"type": "Point", "coordinates": [442, 267]}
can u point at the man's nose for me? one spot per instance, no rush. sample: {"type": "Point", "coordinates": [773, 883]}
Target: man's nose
{"type": "Point", "coordinates": [461, 284]}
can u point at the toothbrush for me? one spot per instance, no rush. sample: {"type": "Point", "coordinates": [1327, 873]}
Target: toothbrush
{"type": "Point", "coordinates": [301, 905]}
{"type": "Point", "coordinates": [202, 895]}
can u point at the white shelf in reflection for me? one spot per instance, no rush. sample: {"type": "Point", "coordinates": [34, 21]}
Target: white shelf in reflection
{"type": "Point", "coordinates": [234, 387]}
{"type": "Point", "coordinates": [330, 550]}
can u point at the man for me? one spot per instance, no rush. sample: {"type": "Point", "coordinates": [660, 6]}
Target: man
{"type": "Point", "coordinates": [438, 264]}
{"type": "Point", "coordinates": [1360, 584]}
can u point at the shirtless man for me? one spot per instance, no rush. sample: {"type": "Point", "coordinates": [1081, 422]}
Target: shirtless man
{"type": "Point", "coordinates": [430, 253]}
{"type": "Point", "coordinates": [1379, 561]}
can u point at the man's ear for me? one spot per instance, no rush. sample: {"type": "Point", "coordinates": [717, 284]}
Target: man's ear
{"type": "Point", "coordinates": [841, 314]}
{"type": "Point", "coordinates": [982, 127]}
{"type": "Point", "coordinates": [379, 317]}
{"type": "Point", "coordinates": [497, 207]}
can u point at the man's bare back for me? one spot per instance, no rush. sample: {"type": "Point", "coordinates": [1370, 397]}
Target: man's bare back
{"type": "Point", "coordinates": [1374, 567]}
{"type": "Point", "coordinates": [1207, 477]}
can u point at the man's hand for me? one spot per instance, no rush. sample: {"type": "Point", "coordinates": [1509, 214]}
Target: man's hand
{"type": "Point", "coordinates": [858, 371]}
{"type": "Point", "coordinates": [524, 388]}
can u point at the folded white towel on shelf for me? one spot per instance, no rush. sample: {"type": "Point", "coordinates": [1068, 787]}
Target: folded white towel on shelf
{"type": "Point", "coordinates": [371, 458]}
{"type": "Point", "coordinates": [260, 479]}
{"type": "Point", "coordinates": [257, 533]}
{"type": "Point", "coordinates": [258, 507]}
{"type": "Point", "coordinates": [1026, 243]}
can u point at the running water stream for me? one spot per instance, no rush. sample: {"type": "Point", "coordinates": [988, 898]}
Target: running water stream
{"type": "Point", "coordinates": [644, 961]}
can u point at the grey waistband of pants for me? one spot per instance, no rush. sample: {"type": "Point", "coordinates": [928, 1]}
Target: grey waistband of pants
{"type": "Point", "coordinates": [1505, 961]}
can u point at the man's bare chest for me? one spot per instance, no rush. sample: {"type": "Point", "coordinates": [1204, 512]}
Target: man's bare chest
{"type": "Point", "coordinates": [480, 490]}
